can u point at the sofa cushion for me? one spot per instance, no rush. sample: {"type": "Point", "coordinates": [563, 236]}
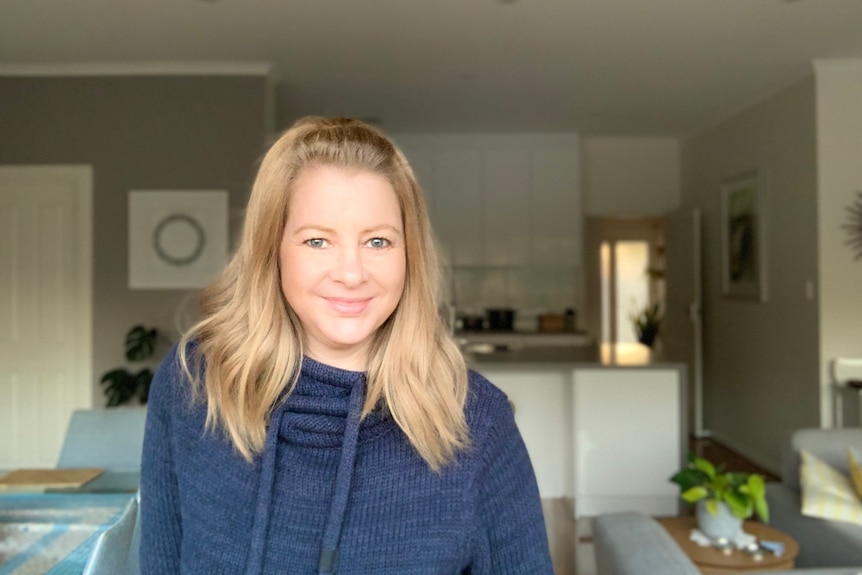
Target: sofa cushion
{"type": "Point", "coordinates": [822, 543]}
{"type": "Point", "coordinates": [827, 493]}
{"type": "Point", "coordinates": [829, 445]}
{"type": "Point", "coordinates": [854, 462]}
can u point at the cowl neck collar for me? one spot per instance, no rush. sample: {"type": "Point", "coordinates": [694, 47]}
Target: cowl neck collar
{"type": "Point", "coordinates": [316, 411]}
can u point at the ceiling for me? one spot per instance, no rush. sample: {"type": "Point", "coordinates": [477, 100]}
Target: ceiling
{"type": "Point", "coordinates": [611, 67]}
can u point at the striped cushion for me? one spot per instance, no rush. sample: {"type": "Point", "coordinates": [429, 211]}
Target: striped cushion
{"type": "Point", "coordinates": [827, 493]}
{"type": "Point", "coordinates": [854, 463]}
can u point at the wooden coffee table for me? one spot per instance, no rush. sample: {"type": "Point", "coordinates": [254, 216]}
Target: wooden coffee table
{"type": "Point", "coordinates": [710, 560]}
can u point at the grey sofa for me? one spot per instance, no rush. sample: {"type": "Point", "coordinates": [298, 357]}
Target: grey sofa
{"type": "Point", "coordinates": [632, 543]}
{"type": "Point", "coordinates": [822, 543]}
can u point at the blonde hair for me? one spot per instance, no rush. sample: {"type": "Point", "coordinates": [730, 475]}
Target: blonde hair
{"type": "Point", "coordinates": [249, 342]}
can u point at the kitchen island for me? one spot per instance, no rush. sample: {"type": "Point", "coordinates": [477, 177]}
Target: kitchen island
{"type": "Point", "coordinates": [605, 427]}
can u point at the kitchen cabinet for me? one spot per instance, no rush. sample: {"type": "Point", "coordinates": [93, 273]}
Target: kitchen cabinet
{"type": "Point", "coordinates": [506, 229]}
{"type": "Point", "coordinates": [590, 428]}
{"type": "Point", "coordinates": [501, 200]}
{"type": "Point", "coordinates": [458, 205]}
{"type": "Point", "coordinates": [506, 210]}
{"type": "Point", "coordinates": [555, 208]}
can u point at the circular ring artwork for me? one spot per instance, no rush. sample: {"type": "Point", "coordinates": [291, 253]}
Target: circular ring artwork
{"type": "Point", "coordinates": [854, 226]}
{"type": "Point", "coordinates": [179, 239]}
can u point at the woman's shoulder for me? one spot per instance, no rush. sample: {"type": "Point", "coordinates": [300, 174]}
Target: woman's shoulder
{"type": "Point", "coordinates": [486, 403]}
{"type": "Point", "coordinates": [171, 381]}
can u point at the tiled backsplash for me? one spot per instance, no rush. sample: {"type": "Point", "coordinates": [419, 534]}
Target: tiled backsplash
{"type": "Point", "coordinates": [540, 288]}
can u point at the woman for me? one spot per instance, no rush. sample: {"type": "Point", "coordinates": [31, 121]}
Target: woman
{"type": "Point", "coordinates": [319, 416]}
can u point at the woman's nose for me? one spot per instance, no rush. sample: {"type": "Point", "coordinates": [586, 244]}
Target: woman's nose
{"type": "Point", "coordinates": [349, 268]}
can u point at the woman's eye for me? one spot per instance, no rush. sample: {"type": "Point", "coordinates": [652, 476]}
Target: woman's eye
{"type": "Point", "coordinates": [379, 243]}
{"type": "Point", "coordinates": [316, 243]}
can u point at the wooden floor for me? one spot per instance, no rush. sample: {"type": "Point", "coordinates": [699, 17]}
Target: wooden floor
{"type": "Point", "coordinates": [720, 454]}
{"type": "Point", "coordinates": [570, 540]}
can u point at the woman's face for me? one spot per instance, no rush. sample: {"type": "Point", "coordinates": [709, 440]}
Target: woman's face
{"type": "Point", "coordinates": [343, 261]}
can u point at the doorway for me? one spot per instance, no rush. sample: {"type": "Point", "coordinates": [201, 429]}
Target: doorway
{"type": "Point", "coordinates": [625, 283]}
{"type": "Point", "coordinates": [45, 308]}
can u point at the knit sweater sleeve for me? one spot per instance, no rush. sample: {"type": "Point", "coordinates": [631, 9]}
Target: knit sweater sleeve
{"type": "Point", "coordinates": [161, 525]}
{"type": "Point", "coordinates": [510, 505]}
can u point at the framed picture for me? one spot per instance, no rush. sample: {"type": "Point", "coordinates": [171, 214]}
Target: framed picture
{"type": "Point", "coordinates": [743, 249]}
{"type": "Point", "coordinates": [177, 238]}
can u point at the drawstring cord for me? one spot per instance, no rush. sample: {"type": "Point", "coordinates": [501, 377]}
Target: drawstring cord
{"type": "Point", "coordinates": [332, 534]}
{"type": "Point", "coordinates": [344, 477]}
{"type": "Point", "coordinates": [264, 497]}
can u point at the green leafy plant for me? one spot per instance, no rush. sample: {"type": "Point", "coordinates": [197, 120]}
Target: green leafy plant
{"type": "Point", "coordinates": [744, 493]}
{"type": "Point", "coordinates": [122, 385]}
{"type": "Point", "coordinates": [646, 322]}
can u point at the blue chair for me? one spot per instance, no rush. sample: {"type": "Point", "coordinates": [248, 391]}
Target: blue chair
{"type": "Point", "coordinates": [116, 550]}
{"type": "Point", "coordinates": [110, 438]}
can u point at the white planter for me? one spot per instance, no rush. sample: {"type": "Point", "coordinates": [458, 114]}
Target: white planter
{"type": "Point", "coordinates": [723, 524]}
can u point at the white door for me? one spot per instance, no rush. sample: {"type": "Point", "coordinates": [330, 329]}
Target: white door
{"type": "Point", "coordinates": [682, 331]}
{"type": "Point", "coordinates": [45, 308]}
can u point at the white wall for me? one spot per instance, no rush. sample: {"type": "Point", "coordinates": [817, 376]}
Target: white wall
{"type": "Point", "coordinates": [630, 176]}
{"type": "Point", "coordinates": [761, 366]}
{"type": "Point", "coordinates": [839, 158]}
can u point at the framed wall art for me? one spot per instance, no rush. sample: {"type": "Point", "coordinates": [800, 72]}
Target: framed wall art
{"type": "Point", "coordinates": [743, 248]}
{"type": "Point", "coordinates": [177, 239]}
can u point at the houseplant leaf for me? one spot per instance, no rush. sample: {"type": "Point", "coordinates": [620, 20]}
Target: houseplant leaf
{"type": "Point", "coordinates": [119, 385]}
{"type": "Point", "coordinates": [739, 504]}
{"type": "Point", "coordinates": [688, 478]}
{"type": "Point", "coordinates": [705, 466]}
{"type": "Point", "coordinates": [140, 343]}
{"type": "Point", "coordinates": [694, 494]}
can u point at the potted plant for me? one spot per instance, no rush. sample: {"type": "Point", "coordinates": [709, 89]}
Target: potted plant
{"type": "Point", "coordinates": [122, 385]}
{"type": "Point", "coordinates": [646, 322]}
{"type": "Point", "coordinates": [724, 499]}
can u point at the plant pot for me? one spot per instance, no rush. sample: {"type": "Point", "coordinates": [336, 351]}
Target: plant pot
{"type": "Point", "coordinates": [647, 335]}
{"type": "Point", "coordinates": [723, 524]}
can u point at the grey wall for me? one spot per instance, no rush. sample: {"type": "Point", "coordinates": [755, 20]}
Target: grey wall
{"type": "Point", "coordinates": [145, 132]}
{"type": "Point", "coordinates": [839, 141]}
{"type": "Point", "coordinates": [761, 359]}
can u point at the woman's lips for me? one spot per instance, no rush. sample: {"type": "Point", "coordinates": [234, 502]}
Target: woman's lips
{"type": "Point", "coordinates": [348, 306]}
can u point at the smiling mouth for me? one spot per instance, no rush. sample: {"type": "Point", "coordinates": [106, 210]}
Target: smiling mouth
{"type": "Point", "coordinates": [348, 306]}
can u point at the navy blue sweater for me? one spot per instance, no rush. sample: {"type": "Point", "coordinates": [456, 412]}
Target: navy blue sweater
{"type": "Point", "coordinates": [331, 495]}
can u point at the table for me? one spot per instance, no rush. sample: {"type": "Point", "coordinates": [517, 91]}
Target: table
{"type": "Point", "coordinates": [710, 560]}
{"type": "Point", "coordinates": [54, 533]}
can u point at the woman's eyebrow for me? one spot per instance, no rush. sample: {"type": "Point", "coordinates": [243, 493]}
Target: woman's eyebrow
{"type": "Point", "coordinates": [380, 227]}
{"type": "Point", "coordinates": [314, 228]}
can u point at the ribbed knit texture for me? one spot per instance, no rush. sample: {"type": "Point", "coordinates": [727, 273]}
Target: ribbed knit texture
{"type": "Point", "coordinates": [206, 510]}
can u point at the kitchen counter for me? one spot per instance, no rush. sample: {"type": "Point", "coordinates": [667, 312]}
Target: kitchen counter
{"type": "Point", "coordinates": [533, 356]}
{"type": "Point", "coordinates": [593, 415]}
{"type": "Point", "coordinates": [526, 338]}
{"type": "Point", "coordinates": [481, 354]}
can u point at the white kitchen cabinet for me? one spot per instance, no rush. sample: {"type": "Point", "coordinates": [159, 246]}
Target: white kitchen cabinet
{"type": "Point", "coordinates": [604, 437]}
{"type": "Point", "coordinates": [541, 399]}
{"type": "Point", "coordinates": [555, 207]}
{"type": "Point", "coordinates": [502, 200]}
{"type": "Point", "coordinates": [506, 231]}
{"type": "Point", "coordinates": [458, 204]}
{"type": "Point", "coordinates": [506, 210]}
{"type": "Point", "coordinates": [629, 436]}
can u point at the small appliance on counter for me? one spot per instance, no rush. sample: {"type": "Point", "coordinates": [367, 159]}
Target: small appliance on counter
{"type": "Point", "coordinates": [470, 322]}
{"type": "Point", "coordinates": [558, 322]}
{"type": "Point", "coordinates": [551, 323]}
{"type": "Point", "coordinates": [501, 319]}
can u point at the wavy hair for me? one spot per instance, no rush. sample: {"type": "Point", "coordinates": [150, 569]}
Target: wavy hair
{"type": "Point", "coordinates": [249, 342]}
